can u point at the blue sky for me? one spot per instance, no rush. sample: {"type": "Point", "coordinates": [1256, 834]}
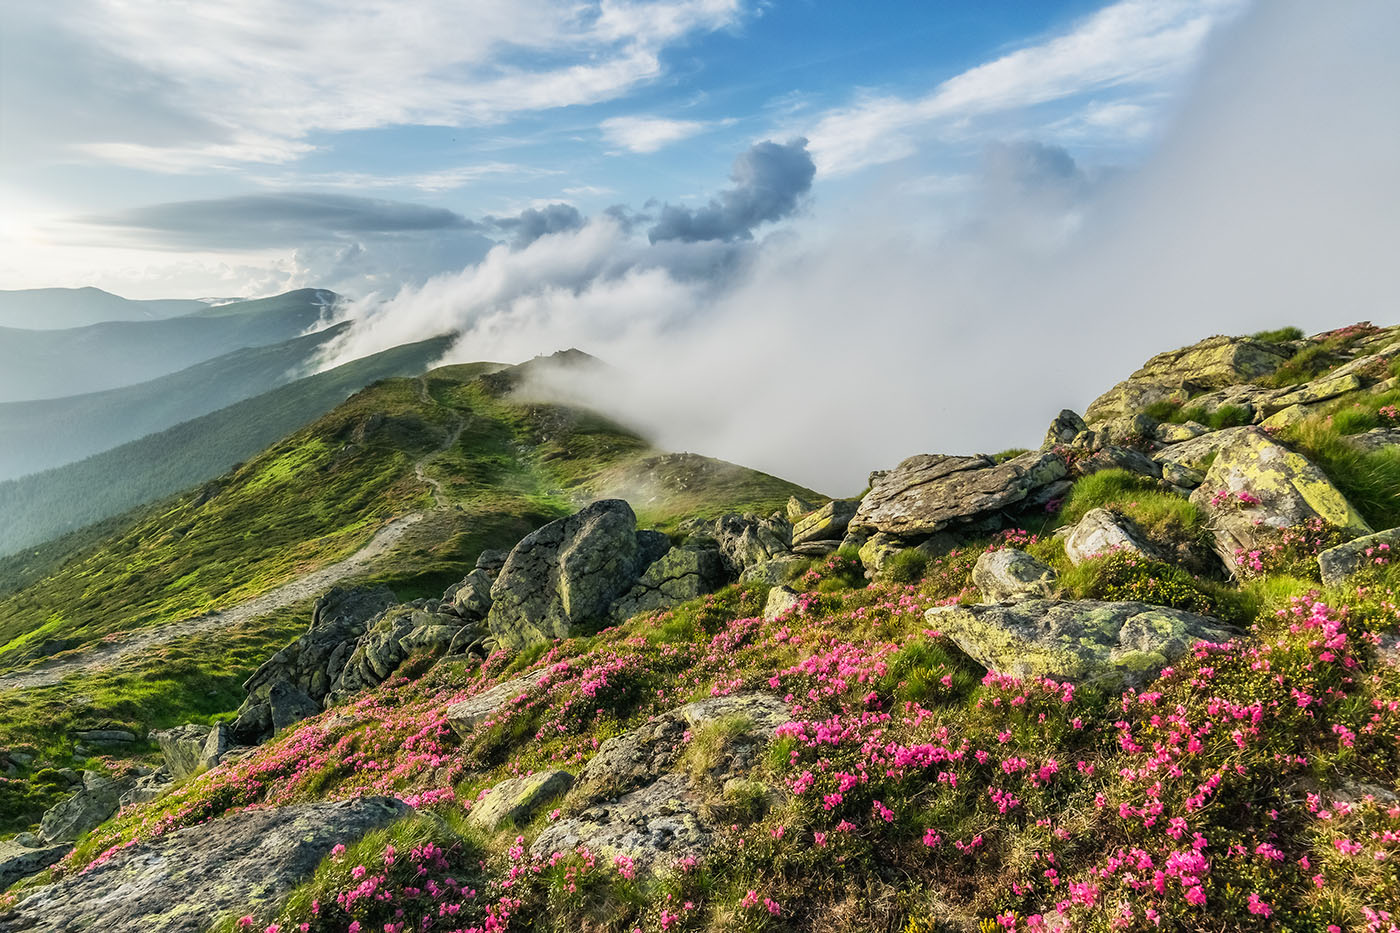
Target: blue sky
{"type": "Point", "coordinates": [484, 110]}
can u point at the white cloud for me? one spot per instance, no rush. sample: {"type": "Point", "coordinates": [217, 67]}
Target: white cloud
{"type": "Point", "coordinates": [1132, 42]}
{"type": "Point", "coordinates": [439, 180]}
{"type": "Point", "coordinates": [648, 134]}
{"type": "Point", "coordinates": [261, 76]}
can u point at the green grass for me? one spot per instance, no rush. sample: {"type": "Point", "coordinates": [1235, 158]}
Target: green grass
{"type": "Point", "coordinates": [1162, 515]}
{"type": "Point", "coordinates": [1282, 335]}
{"type": "Point", "coordinates": [1370, 481]}
{"type": "Point", "coordinates": [1223, 416]}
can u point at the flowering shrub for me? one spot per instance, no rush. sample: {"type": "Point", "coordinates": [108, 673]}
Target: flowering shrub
{"type": "Point", "coordinates": [1291, 551]}
{"type": "Point", "coordinates": [1126, 575]}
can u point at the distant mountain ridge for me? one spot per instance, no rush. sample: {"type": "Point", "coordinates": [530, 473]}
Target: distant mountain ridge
{"type": "Point", "coordinates": [61, 308]}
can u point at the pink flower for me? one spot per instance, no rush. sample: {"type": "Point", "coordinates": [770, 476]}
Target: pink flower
{"type": "Point", "coordinates": [1195, 895]}
{"type": "Point", "coordinates": [1258, 906]}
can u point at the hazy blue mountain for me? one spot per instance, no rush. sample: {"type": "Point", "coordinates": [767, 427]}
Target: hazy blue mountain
{"type": "Point", "coordinates": [58, 308]}
{"type": "Point", "coordinates": [42, 364]}
{"type": "Point", "coordinates": [44, 505]}
{"type": "Point", "coordinates": [47, 433]}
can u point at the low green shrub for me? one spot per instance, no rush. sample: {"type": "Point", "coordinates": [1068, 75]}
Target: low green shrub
{"type": "Point", "coordinates": [907, 566]}
{"type": "Point", "coordinates": [1282, 335]}
{"type": "Point", "coordinates": [1123, 575]}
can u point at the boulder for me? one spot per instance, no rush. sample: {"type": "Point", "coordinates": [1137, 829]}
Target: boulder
{"type": "Point", "coordinates": [192, 748]}
{"type": "Point", "coordinates": [1210, 364]}
{"type": "Point", "coordinates": [1063, 430]}
{"type": "Point", "coordinates": [466, 715]}
{"type": "Point", "coordinates": [472, 598]}
{"type": "Point", "coordinates": [566, 575]}
{"type": "Point", "coordinates": [1290, 490]}
{"type": "Point", "coordinates": [1007, 575]}
{"type": "Point", "coordinates": [1319, 390]}
{"type": "Point", "coordinates": [1381, 549]}
{"type": "Point", "coordinates": [1287, 417]}
{"type": "Point", "coordinates": [393, 637]}
{"type": "Point", "coordinates": [797, 507]}
{"type": "Point", "coordinates": [1086, 641]}
{"type": "Point", "coordinates": [20, 861]}
{"type": "Point", "coordinates": [1100, 532]}
{"type": "Point", "coordinates": [681, 574]}
{"type": "Point", "coordinates": [781, 601]}
{"type": "Point", "coordinates": [928, 493]}
{"type": "Point", "coordinates": [1168, 433]}
{"type": "Point", "coordinates": [491, 561]}
{"type": "Point", "coordinates": [1125, 430]}
{"type": "Point", "coordinates": [515, 801]}
{"type": "Point", "coordinates": [774, 571]}
{"type": "Point", "coordinates": [742, 540]}
{"type": "Point", "coordinates": [1113, 457]}
{"type": "Point", "coordinates": [878, 550]}
{"type": "Point", "coordinates": [1181, 476]}
{"type": "Point", "coordinates": [191, 879]}
{"type": "Point", "coordinates": [95, 803]}
{"type": "Point", "coordinates": [1197, 451]}
{"type": "Point", "coordinates": [827, 523]}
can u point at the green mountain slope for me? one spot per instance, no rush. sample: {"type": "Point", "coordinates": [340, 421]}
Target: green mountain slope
{"type": "Point", "coordinates": [48, 433]}
{"type": "Point", "coordinates": [52, 503]}
{"type": "Point", "coordinates": [55, 308]}
{"type": "Point", "coordinates": [37, 364]}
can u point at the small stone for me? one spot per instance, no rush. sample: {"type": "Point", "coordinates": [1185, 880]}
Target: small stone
{"type": "Point", "coordinates": [1007, 574]}
{"type": "Point", "coordinates": [1101, 532]}
{"type": "Point", "coordinates": [781, 601]}
{"type": "Point", "coordinates": [513, 802]}
{"type": "Point", "coordinates": [1381, 549]}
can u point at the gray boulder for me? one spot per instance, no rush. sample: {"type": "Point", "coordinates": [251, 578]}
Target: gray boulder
{"type": "Point", "coordinates": [472, 598]}
{"type": "Point", "coordinates": [20, 861]}
{"type": "Point", "coordinates": [95, 803]}
{"type": "Point", "coordinates": [393, 637]}
{"type": "Point", "coordinates": [1007, 575]}
{"type": "Point", "coordinates": [514, 801]}
{"type": "Point", "coordinates": [1290, 490]}
{"type": "Point", "coordinates": [148, 787]}
{"type": "Point", "coordinates": [189, 880]}
{"type": "Point", "coordinates": [491, 561]}
{"type": "Point", "coordinates": [1103, 643]}
{"type": "Point", "coordinates": [466, 715]}
{"type": "Point", "coordinates": [681, 574]}
{"type": "Point", "coordinates": [781, 601]}
{"type": "Point", "coordinates": [774, 571]}
{"type": "Point", "coordinates": [1375, 439]}
{"type": "Point", "coordinates": [566, 575]}
{"type": "Point", "coordinates": [288, 705]}
{"type": "Point", "coordinates": [1101, 532]}
{"type": "Point", "coordinates": [1113, 457]}
{"type": "Point", "coordinates": [191, 748]}
{"type": "Point", "coordinates": [1339, 563]}
{"type": "Point", "coordinates": [928, 493]}
{"type": "Point", "coordinates": [827, 523]}
{"type": "Point", "coordinates": [1063, 430]}
{"type": "Point", "coordinates": [742, 540]}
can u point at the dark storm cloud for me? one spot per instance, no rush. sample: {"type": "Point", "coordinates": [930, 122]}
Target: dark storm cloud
{"type": "Point", "coordinates": [533, 223]}
{"type": "Point", "coordinates": [769, 179]}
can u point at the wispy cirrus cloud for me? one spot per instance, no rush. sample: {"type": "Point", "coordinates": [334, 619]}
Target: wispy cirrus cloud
{"type": "Point", "coordinates": [1130, 44]}
{"type": "Point", "coordinates": [648, 134]}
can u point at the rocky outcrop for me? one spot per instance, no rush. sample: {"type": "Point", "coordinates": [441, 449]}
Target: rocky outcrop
{"type": "Point", "coordinates": [313, 663]}
{"type": "Point", "coordinates": [928, 493]}
{"type": "Point", "coordinates": [466, 715]}
{"type": "Point", "coordinates": [566, 575]}
{"type": "Point", "coordinates": [1086, 641]}
{"type": "Point", "coordinates": [1113, 457]}
{"type": "Point", "coordinates": [472, 597]}
{"type": "Point", "coordinates": [515, 801]}
{"type": "Point", "coordinates": [1008, 575]}
{"type": "Point", "coordinates": [20, 861]}
{"type": "Point", "coordinates": [192, 748]}
{"type": "Point", "coordinates": [827, 523]}
{"type": "Point", "coordinates": [99, 798]}
{"type": "Point", "coordinates": [392, 638]}
{"type": "Point", "coordinates": [1210, 364]}
{"type": "Point", "coordinates": [1101, 532]}
{"type": "Point", "coordinates": [1339, 563]}
{"type": "Point", "coordinates": [188, 880]}
{"type": "Point", "coordinates": [1280, 489]}
{"type": "Point", "coordinates": [742, 540]}
{"type": "Point", "coordinates": [681, 574]}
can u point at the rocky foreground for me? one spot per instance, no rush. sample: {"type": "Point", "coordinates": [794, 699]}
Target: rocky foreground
{"type": "Point", "coordinates": [1145, 676]}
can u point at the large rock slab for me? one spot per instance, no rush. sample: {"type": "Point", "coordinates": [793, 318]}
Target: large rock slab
{"type": "Point", "coordinates": [20, 861]}
{"type": "Point", "coordinates": [827, 523]}
{"type": "Point", "coordinates": [1290, 489]}
{"type": "Point", "coordinates": [467, 714]}
{"type": "Point", "coordinates": [566, 574]}
{"type": "Point", "coordinates": [930, 492]}
{"type": "Point", "coordinates": [1008, 575]}
{"type": "Point", "coordinates": [1213, 363]}
{"type": "Point", "coordinates": [1381, 549]}
{"type": "Point", "coordinates": [654, 826]}
{"type": "Point", "coordinates": [1086, 641]}
{"type": "Point", "coordinates": [680, 574]}
{"type": "Point", "coordinates": [191, 879]}
{"type": "Point", "coordinates": [515, 800]}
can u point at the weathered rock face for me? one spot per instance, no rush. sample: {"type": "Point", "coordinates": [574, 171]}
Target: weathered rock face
{"type": "Point", "coordinates": [191, 748]}
{"type": "Point", "coordinates": [1100, 532]}
{"type": "Point", "coordinates": [631, 801]}
{"type": "Point", "coordinates": [514, 801]}
{"type": "Point", "coordinates": [188, 880]}
{"type": "Point", "coordinates": [928, 493]}
{"type": "Point", "coordinates": [681, 574]}
{"type": "Point", "coordinates": [313, 663]}
{"type": "Point", "coordinates": [566, 574]}
{"type": "Point", "coordinates": [92, 805]}
{"type": "Point", "coordinates": [1381, 549]}
{"type": "Point", "coordinates": [393, 637]}
{"type": "Point", "coordinates": [1211, 364]}
{"type": "Point", "coordinates": [742, 540]}
{"type": "Point", "coordinates": [1113, 457]}
{"type": "Point", "coordinates": [466, 715]}
{"type": "Point", "coordinates": [827, 523]}
{"type": "Point", "coordinates": [1007, 575]}
{"type": "Point", "coordinates": [472, 597]}
{"type": "Point", "coordinates": [20, 861]}
{"type": "Point", "coordinates": [1290, 491]}
{"type": "Point", "coordinates": [1085, 641]}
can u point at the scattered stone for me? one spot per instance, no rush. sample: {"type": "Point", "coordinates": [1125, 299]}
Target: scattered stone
{"type": "Point", "coordinates": [1290, 491]}
{"type": "Point", "coordinates": [566, 575]}
{"type": "Point", "coordinates": [1134, 430]}
{"type": "Point", "coordinates": [1100, 532]}
{"type": "Point", "coordinates": [1085, 641]}
{"type": "Point", "coordinates": [928, 493]}
{"type": "Point", "coordinates": [513, 802]}
{"type": "Point", "coordinates": [1197, 451]}
{"type": "Point", "coordinates": [1345, 560]}
{"type": "Point", "coordinates": [94, 804]}
{"type": "Point", "coordinates": [191, 879]}
{"type": "Point", "coordinates": [18, 860]}
{"type": "Point", "coordinates": [816, 548]}
{"type": "Point", "coordinates": [781, 600]}
{"type": "Point", "coordinates": [106, 737]}
{"type": "Point", "coordinates": [828, 523]}
{"type": "Point", "coordinates": [1319, 390]}
{"type": "Point", "coordinates": [681, 574]}
{"type": "Point", "coordinates": [464, 716]}
{"type": "Point", "coordinates": [1007, 575]}
{"type": "Point", "coordinates": [1286, 417]}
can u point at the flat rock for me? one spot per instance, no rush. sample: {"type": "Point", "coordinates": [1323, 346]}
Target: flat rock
{"type": "Point", "coordinates": [191, 879]}
{"type": "Point", "coordinates": [94, 803]}
{"type": "Point", "coordinates": [930, 492]}
{"type": "Point", "coordinates": [466, 715]}
{"type": "Point", "coordinates": [1345, 560]}
{"type": "Point", "coordinates": [1007, 574]}
{"type": "Point", "coordinates": [514, 801]}
{"type": "Point", "coordinates": [20, 861]}
{"type": "Point", "coordinates": [1086, 641]}
{"type": "Point", "coordinates": [827, 523]}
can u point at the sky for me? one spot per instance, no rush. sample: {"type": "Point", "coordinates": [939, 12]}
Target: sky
{"type": "Point", "coordinates": [812, 237]}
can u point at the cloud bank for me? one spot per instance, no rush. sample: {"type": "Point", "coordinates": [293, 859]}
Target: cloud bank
{"type": "Point", "coordinates": [768, 181]}
{"type": "Point", "coordinates": [845, 344]}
